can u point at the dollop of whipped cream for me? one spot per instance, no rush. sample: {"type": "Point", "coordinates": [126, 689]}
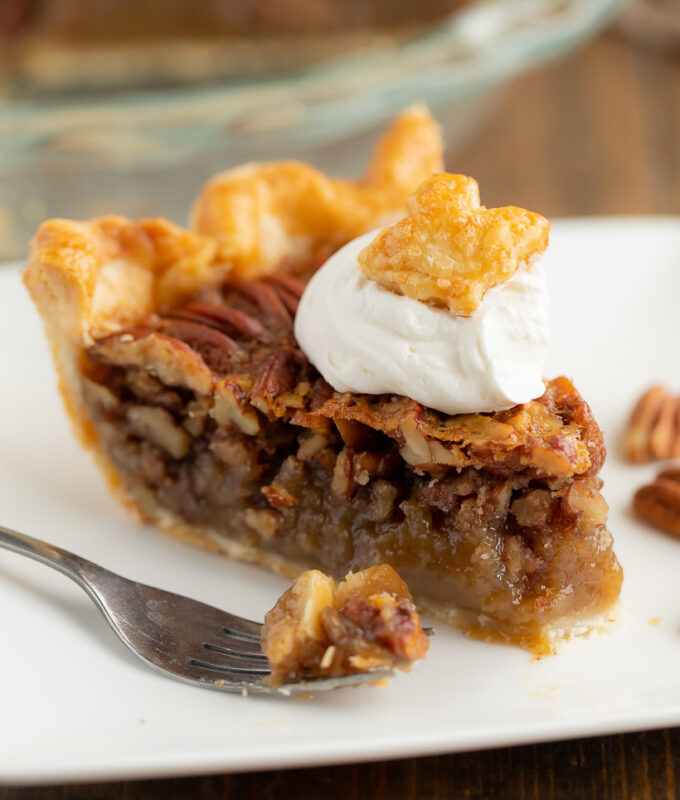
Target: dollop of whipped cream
{"type": "Point", "coordinates": [365, 338]}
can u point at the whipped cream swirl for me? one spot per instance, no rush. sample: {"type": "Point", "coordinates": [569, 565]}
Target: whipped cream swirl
{"type": "Point", "coordinates": [365, 338]}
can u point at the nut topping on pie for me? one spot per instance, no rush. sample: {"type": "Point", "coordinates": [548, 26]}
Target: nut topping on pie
{"type": "Point", "coordinates": [449, 250]}
{"type": "Point", "coordinates": [319, 627]}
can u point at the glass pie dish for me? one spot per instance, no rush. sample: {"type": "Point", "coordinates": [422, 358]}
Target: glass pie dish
{"type": "Point", "coordinates": [140, 150]}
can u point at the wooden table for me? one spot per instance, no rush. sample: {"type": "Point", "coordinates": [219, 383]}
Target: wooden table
{"type": "Point", "coordinates": [596, 134]}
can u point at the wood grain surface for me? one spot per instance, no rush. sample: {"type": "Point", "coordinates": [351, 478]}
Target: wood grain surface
{"type": "Point", "coordinates": [598, 133]}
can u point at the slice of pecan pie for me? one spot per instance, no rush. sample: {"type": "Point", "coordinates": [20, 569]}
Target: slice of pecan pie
{"type": "Point", "coordinates": [180, 370]}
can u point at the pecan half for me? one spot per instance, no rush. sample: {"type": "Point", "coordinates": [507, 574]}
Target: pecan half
{"type": "Point", "coordinates": [288, 288]}
{"type": "Point", "coordinates": [670, 474]}
{"type": "Point", "coordinates": [663, 434]}
{"type": "Point", "coordinates": [202, 337]}
{"type": "Point", "coordinates": [659, 503]}
{"type": "Point", "coordinates": [267, 300]}
{"type": "Point", "coordinates": [173, 361]}
{"type": "Point", "coordinates": [653, 430]}
{"type": "Point", "coordinates": [288, 282]}
{"type": "Point", "coordinates": [232, 319]}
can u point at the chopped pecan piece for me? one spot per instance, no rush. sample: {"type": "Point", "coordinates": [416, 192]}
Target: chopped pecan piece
{"type": "Point", "coordinates": [150, 390]}
{"type": "Point", "coordinates": [99, 395]}
{"type": "Point", "coordinates": [237, 452]}
{"type": "Point", "coordinates": [279, 497]}
{"type": "Point", "coordinates": [383, 500]}
{"type": "Point", "coordinates": [532, 508]}
{"type": "Point", "coordinates": [232, 408]}
{"type": "Point", "coordinates": [158, 426]}
{"type": "Point", "coordinates": [310, 446]}
{"type": "Point", "coordinates": [263, 521]}
{"type": "Point", "coordinates": [367, 465]}
{"type": "Point", "coordinates": [591, 507]}
{"type": "Point", "coordinates": [342, 485]}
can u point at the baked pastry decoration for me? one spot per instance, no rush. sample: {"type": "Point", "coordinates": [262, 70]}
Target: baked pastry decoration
{"type": "Point", "coordinates": [180, 369]}
{"type": "Point", "coordinates": [449, 250]}
{"type": "Point", "coordinates": [366, 622]}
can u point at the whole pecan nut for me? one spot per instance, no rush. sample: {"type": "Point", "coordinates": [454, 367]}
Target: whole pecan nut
{"type": "Point", "coordinates": [653, 431]}
{"type": "Point", "coordinates": [659, 502]}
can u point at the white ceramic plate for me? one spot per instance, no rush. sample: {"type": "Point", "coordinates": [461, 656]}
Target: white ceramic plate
{"type": "Point", "coordinates": [76, 706]}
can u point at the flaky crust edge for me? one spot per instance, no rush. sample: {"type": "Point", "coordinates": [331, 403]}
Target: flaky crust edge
{"type": "Point", "coordinates": [66, 278]}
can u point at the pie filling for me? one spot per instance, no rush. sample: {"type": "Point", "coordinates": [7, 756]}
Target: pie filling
{"type": "Point", "coordinates": [213, 416]}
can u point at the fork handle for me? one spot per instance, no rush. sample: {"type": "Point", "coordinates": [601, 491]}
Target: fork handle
{"type": "Point", "coordinates": [62, 560]}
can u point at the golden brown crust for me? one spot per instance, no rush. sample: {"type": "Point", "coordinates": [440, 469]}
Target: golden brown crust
{"type": "Point", "coordinates": [449, 250]}
{"type": "Point", "coordinates": [264, 214]}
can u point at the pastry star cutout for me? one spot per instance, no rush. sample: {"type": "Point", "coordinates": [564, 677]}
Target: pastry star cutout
{"type": "Point", "coordinates": [450, 250]}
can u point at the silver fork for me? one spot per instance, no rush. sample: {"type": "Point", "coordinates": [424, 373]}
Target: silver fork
{"type": "Point", "coordinates": [182, 638]}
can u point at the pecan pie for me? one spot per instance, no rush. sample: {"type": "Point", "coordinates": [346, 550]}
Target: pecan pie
{"type": "Point", "coordinates": [180, 370]}
{"type": "Point", "coordinates": [322, 628]}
